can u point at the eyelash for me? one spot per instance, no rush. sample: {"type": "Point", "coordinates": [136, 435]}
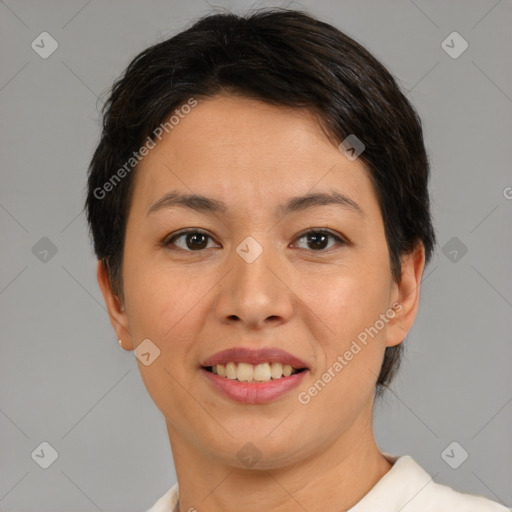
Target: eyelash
{"type": "Point", "coordinates": [170, 241]}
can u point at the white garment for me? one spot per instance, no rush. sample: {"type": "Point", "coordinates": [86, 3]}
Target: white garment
{"type": "Point", "coordinates": [406, 487]}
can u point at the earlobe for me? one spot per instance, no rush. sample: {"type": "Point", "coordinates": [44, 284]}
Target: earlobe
{"type": "Point", "coordinates": [407, 295]}
{"type": "Point", "coordinates": [115, 307]}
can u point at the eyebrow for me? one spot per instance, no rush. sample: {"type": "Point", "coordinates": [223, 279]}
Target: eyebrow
{"type": "Point", "coordinates": [205, 204]}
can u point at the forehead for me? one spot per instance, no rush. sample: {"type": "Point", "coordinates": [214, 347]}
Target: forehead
{"type": "Point", "coordinates": [240, 149]}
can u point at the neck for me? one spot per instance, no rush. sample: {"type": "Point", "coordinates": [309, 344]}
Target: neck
{"type": "Point", "coordinates": [335, 477]}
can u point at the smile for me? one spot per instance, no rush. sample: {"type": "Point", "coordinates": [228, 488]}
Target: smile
{"type": "Point", "coordinates": [253, 391]}
{"type": "Point", "coordinates": [246, 372]}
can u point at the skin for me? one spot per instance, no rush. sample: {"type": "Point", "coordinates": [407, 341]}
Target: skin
{"type": "Point", "coordinates": [310, 302]}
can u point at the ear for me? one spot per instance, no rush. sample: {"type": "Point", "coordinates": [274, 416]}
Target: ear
{"type": "Point", "coordinates": [115, 308]}
{"type": "Point", "coordinates": [406, 296]}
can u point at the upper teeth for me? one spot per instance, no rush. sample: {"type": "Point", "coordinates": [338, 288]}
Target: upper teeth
{"type": "Point", "coordinates": [247, 372]}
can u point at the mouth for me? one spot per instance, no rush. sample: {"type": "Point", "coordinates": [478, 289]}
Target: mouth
{"type": "Point", "coordinates": [246, 372]}
{"type": "Point", "coordinates": [244, 386]}
{"type": "Point", "coordinates": [254, 376]}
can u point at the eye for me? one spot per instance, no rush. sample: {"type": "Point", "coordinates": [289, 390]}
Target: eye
{"type": "Point", "coordinates": [191, 240]}
{"type": "Point", "coordinates": [318, 240]}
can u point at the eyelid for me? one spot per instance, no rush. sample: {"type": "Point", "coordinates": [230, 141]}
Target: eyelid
{"type": "Point", "coordinates": [167, 240]}
{"type": "Point", "coordinates": [186, 231]}
{"type": "Point", "coordinates": [340, 239]}
{"type": "Point", "coordinates": [328, 231]}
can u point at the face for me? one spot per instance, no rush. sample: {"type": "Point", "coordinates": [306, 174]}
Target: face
{"type": "Point", "coordinates": [255, 268]}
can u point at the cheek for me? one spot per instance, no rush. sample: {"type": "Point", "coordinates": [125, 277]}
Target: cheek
{"type": "Point", "coordinates": [165, 305]}
{"type": "Point", "coordinates": [349, 302]}
{"type": "Point", "coordinates": [170, 306]}
{"type": "Point", "coordinates": [157, 293]}
{"type": "Point", "coordinates": [347, 299]}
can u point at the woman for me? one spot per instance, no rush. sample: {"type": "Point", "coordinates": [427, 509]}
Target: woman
{"type": "Point", "coordinates": [259, 208]}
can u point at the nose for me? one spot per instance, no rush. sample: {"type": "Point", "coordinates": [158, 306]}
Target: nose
{"type": "Point", "coordinates": [254, 294]}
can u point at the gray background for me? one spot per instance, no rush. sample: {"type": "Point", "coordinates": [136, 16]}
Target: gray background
{"type": "Point", "coordinates": [63, 378]}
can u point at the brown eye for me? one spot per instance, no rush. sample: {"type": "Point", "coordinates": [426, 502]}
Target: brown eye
{"type": "Point", "coordinates": [189, 240]}
{"type": "Point", "coordinates": [319, 240]}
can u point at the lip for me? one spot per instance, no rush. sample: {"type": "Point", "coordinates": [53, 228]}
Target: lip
{"type": "Point", "coordinates": [256, 392]}
{"type": "Point", "coordinates": [253, 356]}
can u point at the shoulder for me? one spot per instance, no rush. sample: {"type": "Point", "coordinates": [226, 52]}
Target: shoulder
{"type": "Point", "coordinates": [443, 498]}
{"type": "Point", "coordinates": [407, 487]}
{"type": "Point", "coordinates": [168, 502]}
